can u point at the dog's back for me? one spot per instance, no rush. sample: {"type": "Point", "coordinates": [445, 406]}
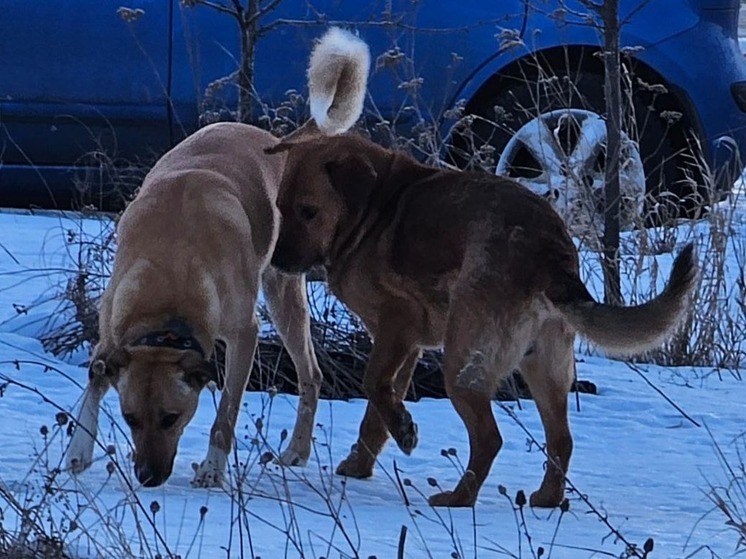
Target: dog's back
{"type": "Point", "coordinates": [219, 176]}
{"type": "Point", "coordinates": [218, 179]}
{"type": "Point", "coordinates": [228, 156]}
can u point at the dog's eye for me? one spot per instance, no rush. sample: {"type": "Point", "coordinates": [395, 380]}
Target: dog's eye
{"type": "Point", "coordinates": [306, 212]}
{"type": "Point", "coordinates": [131, 420]}
{"type": "Point", "coordinates": [169, 420]}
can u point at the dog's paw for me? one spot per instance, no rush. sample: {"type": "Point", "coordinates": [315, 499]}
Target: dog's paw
{"type": "Point", "coordinates": [465, 494]}
{"type": "Point", "coordinates": [355, 465]}
{"type": "Point", "coordinates": [211, 472]}
{"type": "Point", "coordinates": [406, 435]}
{"type": "Point", "coordinates": [546, 498]}
{"type": "Point", "coordinates": [291, 457]}
{"type": "Point", "coordinates": [452, 499]}
{"type": "Point", "coordinates": [80, 452]}
{"type": "Point", "coordinates": [207, 475]}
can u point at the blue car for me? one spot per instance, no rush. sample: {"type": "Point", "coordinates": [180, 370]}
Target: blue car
{"type": "Point", "coordinates": [90, 92]}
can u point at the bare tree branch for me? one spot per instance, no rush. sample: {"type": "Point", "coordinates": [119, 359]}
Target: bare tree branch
{"type": "Point", "coordinates": [239, 9]}
{"type": "Point", "coordinates": [633, 13]}
{"type": "Point", "coordinates": [598, 8]}
{"type": "Point", "coordinates": [216, 6]}
{"type": "Point", "coordinates": [261, 12]}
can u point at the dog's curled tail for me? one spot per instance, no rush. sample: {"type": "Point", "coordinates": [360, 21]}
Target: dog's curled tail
{"type": "Point", "coordinates": [337, 79]}
{"type": "Point", "coordinates": [625, 331]}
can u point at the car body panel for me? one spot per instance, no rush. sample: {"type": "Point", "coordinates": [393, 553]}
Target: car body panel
{"type": "Point", "coordinates": [204, 52]}
{"type": "Point", "coordinates": [76, 81]}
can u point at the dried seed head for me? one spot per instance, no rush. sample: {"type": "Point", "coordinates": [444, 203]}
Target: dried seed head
{"type": "Point", "coordinates": [520, 498]}
{"type": "Point", "coordinates": [130, 15]}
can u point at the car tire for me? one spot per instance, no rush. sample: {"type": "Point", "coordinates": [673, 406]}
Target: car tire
{"type": "Point", "coordinates": [512, 103]}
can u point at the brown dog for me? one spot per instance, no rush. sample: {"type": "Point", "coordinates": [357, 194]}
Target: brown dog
{"type": "Point", "coordinates": [193, 251]}
{"type": "Point", "coordinates": [474, 263]}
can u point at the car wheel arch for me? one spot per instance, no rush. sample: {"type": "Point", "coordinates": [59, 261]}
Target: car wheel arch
{"type": "Point", "coordinates": [582, 60]}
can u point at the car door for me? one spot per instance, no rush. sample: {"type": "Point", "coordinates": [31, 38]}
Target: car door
{"type": "Point", "coordinates": [78, 78]}
{"type": "Point", "coordinates": [408, 40]}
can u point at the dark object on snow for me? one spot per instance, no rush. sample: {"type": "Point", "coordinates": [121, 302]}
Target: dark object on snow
{"type": "Point", "coordinates": [343, 373]}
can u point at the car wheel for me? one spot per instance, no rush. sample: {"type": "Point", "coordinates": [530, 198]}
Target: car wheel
{"type": "Point", "coordinates": [549, 134]}
{"type": "Point", "coordinates": [560, 155]}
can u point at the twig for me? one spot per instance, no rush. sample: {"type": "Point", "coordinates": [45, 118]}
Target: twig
{"type": "Point", "coordinates": [659, 391]}
{"type": "Point", "coordinates": [402, 541]}
{"type": "Point", "coordinates": [404, 496]}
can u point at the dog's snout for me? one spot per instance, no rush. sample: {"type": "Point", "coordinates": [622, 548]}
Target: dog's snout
{"type": "Point", "coordinates": [282, 259]}
{"type": "Point", "coordinates": [148, 476]}
{"type": "Point", "coordinates": [277, 261]}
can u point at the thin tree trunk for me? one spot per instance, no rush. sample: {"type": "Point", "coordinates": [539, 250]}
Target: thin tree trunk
{"type": "Point", "coordinates": [246, 72]}
{"type": "Point", "coordinates": [612, 85]}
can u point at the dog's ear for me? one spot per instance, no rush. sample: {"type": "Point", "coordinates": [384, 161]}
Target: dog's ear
{"type": "Point", "coordinates": [105, 366]}
{"type": "Point", "coordinates": [197, 370]}
{"type": "Point", "coordinates": [354, 177]}
{"type": "Point", "coordinates": [309, 131]}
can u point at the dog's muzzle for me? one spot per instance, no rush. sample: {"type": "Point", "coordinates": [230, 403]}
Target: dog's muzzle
{"type": "Point", "coordinates": [149, 477]}
{"type": "Point", "coordinates": [281, 261]}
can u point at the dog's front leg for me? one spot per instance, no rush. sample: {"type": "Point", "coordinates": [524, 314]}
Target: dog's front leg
{"type": "Point", "coordinates": [238, 359]}
{"type": "Point", "coordinates": [392, 351]}
{"type": "Point", "coordinates": [373, 431]}
{"type": "Point", "coordinates": [80, 452]}
{"type": "Point", "coordinates": [287, 303]}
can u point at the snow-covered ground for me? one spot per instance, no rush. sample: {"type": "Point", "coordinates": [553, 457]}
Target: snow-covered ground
{"type": "Point", "coordinates": [639, 462]}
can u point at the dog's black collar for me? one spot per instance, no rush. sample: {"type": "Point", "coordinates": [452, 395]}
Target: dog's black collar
{"type": "Point", "coordinates": [176, 334]}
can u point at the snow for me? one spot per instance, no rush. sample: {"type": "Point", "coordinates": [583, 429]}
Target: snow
{"type": "Point", "coordinates": [642, 464]}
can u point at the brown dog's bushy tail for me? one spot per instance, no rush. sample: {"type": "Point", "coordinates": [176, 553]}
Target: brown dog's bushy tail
{"type": "Point", "coordinates": [625, 331]}
{"type": "Point", "coordinates": [337, 79]}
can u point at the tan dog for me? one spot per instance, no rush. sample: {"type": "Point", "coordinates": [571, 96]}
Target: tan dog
{"type": "Point", "coordinates": [193, 251]}
{"type": "Point", "coordinates": [474, 263]}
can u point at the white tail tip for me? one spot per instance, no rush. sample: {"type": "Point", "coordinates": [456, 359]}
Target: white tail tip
{"type": "Point", "coordinates": [337, 80]}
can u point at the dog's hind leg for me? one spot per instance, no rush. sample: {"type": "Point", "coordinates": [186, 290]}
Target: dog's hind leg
{"type": "Point", "coordinates": [239, 355]}
{"type": "Point", "coordinates": [287, 303]}
{"type": "Point", "coordinates": [548, 371]}
{"type": "Point", "coordinates": [481, 346]}
{"type": "Point", "coordinates": [373, 432]}
{"type": "Point", "coordinates": [80, 452]}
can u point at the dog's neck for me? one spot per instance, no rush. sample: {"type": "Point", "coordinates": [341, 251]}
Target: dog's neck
{"type": "Point", "coordinates": [395, 171]}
